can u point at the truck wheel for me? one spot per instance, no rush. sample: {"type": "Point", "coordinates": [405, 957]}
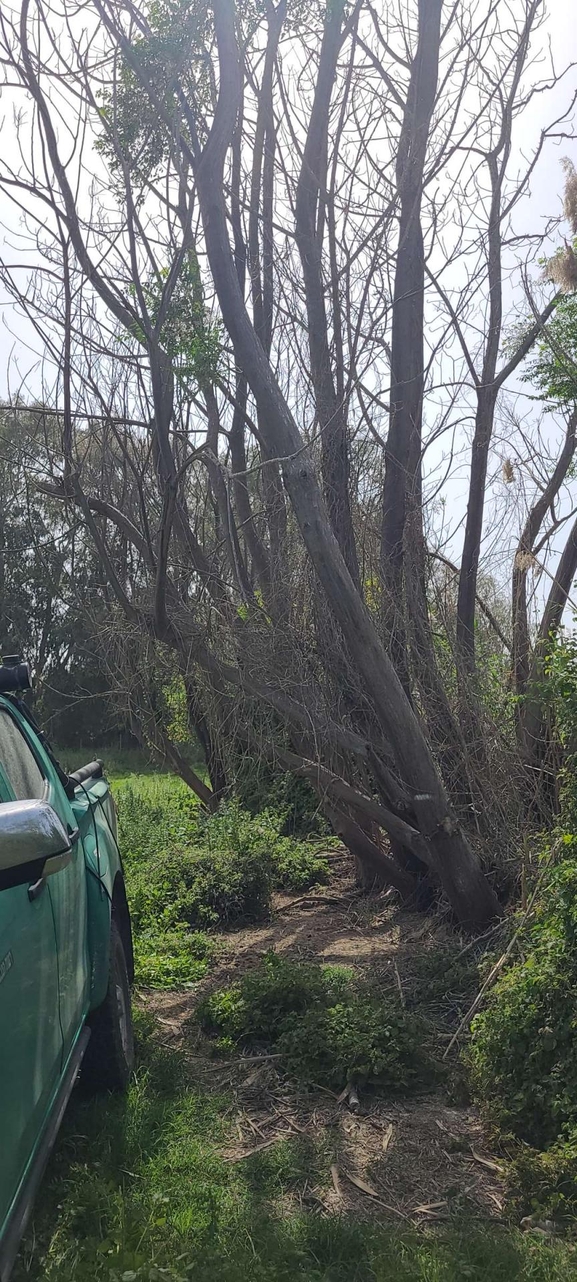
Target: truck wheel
{"type": "Point", "coordinates": [109, 1057]}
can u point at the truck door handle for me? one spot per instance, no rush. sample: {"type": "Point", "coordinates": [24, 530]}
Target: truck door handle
{"type": "Point", "coordinates": [36, 889]}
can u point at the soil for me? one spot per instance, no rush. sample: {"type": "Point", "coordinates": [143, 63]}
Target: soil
{"type": "Point", "coordinates": [418, 1160]}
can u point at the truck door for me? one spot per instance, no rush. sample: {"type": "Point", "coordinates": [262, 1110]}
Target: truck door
{"type": "Point", "coordinates": [30, 1032]}
{"type": "Point", "coordinates": [67, 894]}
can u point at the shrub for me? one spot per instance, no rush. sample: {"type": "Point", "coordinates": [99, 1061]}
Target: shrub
{"type": "Point", "coordinates": [295, 865]}
{"type": "Point", "coordinates": [523, 1052]}
{"type": "Point", "coordinates": [199, 887]}
{"type": "Point", "coordinates": [362, 1038]}
{"type": "Point", "coordinates": [187, 870]}
{"type": "Point", "coordinates": [259, 788]}
{"type": "Point", "coordinates": [545, 1183]}
{"type": "Point", "coordinates": [328, 1027]}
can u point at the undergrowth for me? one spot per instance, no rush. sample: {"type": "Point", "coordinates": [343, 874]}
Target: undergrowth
{"type": "Point", "coordinates": [137, 1191]}
{"type": "Point", "coordinates": [328, 1027]}
{"type": "Point", "coordinates": [188, 872]}
{"type": "Point", "coordinates": [523, 1052]}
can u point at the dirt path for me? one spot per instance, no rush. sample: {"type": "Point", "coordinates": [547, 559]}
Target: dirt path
{"type": "Point", "coordinates": [422, 1159]}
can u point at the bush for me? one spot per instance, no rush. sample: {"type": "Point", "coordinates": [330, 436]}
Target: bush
{"type": "Point", "coordinates": [199, 887]}
{"type": "Point", "coordinates": [260, 788]}
{"type": "Point", "coordinates": [523, 1052]}
{"type": "Point", "coordinates": [187, 870]}
{"type": "Point", "coordinates": [328, 1027]}
{"type": "Point", "coordinates": [295, 865]}
{"type": "Point", "coordinates": [544, 1184]}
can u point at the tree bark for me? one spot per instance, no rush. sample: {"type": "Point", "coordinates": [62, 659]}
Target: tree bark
{"type": "Point", "coordinates": [403, 449]}
{"type": "Point", "coordinates": [490, 381]}
{"type": "Point", "coordinates": [330, 408]}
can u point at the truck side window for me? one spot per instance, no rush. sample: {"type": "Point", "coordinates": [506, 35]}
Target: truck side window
{"type": "Point", "coordinates": [18, 761]}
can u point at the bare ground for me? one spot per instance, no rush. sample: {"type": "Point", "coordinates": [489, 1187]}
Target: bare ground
{"type": "Point", "coordinates": [418, 1160]}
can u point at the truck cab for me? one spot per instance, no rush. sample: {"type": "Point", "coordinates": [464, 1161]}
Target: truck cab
{"type": "Point", "coordinates": [66, 960]}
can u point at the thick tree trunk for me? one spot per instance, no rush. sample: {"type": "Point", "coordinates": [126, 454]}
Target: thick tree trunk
{"type": "Point", "coordinates": [376, 870]}
{"type": "Point", "coordinates": [456, 865]}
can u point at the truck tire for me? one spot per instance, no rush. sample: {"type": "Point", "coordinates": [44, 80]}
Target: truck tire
{"type": "Point", "coordinates": [109, 1058]}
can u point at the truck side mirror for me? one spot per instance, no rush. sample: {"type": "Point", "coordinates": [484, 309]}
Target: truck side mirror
{"type": "Point", "coordinates": [33, 843]}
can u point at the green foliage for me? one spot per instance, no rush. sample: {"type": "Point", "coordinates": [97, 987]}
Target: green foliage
{"type": "Point", "coordinates": [558, 692]}
{"type": "Point", "coordinates": [554, 368]}
{"type": "Point", "coordinates": [328, 1027]}
{"type": "Point", "coordinates": [138, 1192]}
{"type": "Point", "coordinates": [523, 1049]}
{"type": "Point", "coordinates": [259, 788]}
{"type": "Point", "coordinates": [199, 887]}
{"type": "Point", "coordinates": [295, 865]}
{"type": "Point", "coordinates": [523, 1052]}
{"type": "Point", "coordinates": [187, 872]}
{"type": "Point", "coordinates": [190, 338]}
{"type": "Point", "coordinates": [171, 958]}
{"type": "Point", "coordinates": [544, 1184]}
{"type": "Point", "coordinates": [134, 130]}
{"type": "Point", "coordinates": [44, 607]}
{"type": "Point", "coordinates": [524, 1045]}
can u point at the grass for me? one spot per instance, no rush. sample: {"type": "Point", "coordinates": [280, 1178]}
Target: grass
{"type": "Point", "coordinates": [189, 873]}
{"type": "Point", "coordinates": [119, 763]}
{"type": "Point", "coordinates": [138, 1192]}
{"type": "Point", "coordinates": [138, 1189]}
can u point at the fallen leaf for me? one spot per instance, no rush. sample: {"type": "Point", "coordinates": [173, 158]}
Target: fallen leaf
{"type": "Point", "coordinates": [361, 1184]}
{"type": "Point", "coordinates": [239, 1157]}
{"type": "Point", "coordinates": [371, 1192]}
{"type": "Point", "coordinates": [387, 1137]}
{"type": "Point", "coordinates": [336, 1181]}
{"type": "Point", "coordinates": [485, 1161]}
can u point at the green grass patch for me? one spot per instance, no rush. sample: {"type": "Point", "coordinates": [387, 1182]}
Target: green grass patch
{"type": "Point", "coordinates": [329, 1027]}
{"type": "Point", "coordinates": [119, 763]}
{"type": "Point", "coordinates": [188, 872]}
{"type": "Point", "coordinates": [137, 1191]}
{"type": "Point", "coordinates": [171, 958]}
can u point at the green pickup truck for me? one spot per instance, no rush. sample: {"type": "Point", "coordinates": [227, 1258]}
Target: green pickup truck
{"type": "Point", "coordinates": [66, 960]}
